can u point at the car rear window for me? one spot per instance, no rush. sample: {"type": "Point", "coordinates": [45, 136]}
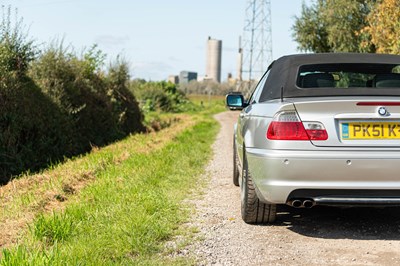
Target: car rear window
{"type": "Point", "coordinates": [349, 76]}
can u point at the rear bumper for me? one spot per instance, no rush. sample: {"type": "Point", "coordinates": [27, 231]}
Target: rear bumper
{"type": "Point", "coordinates": [351, 201]}
{"type": "Point", "coordinates": [326, 177]}
{"type": "Point", "coordinates": [345, 197]}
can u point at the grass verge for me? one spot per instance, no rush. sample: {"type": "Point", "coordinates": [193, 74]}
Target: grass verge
{"type": "Point", "coordinates": [24, 198]}
{"type": "Point", "coordinates": [127, 212]}
{"type": "Point", "coordinates": [209, 104]}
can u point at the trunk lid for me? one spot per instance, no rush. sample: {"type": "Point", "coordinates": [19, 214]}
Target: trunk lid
{"type": "Point", "coordinates": [353, 122]}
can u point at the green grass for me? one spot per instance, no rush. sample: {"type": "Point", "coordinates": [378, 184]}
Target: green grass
{"type": "Point", "coordinates": [54, 228]}
{"type": "Point", "coordinates": [128, 213]}
{"type": "Point", "coordinates": [209, 104]}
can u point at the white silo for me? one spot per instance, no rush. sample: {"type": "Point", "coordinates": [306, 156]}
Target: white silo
{"type": "Point", "coordinates": [214, 58]}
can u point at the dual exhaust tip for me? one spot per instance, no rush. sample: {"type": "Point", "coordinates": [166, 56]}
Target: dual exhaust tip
{"type": "Point", "coordinates": [300, 203]}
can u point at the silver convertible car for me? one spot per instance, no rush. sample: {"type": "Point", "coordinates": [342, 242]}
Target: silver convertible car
{"type": "Point", "coordinates": [319, 129]}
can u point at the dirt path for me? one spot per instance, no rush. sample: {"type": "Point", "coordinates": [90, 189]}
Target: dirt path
{"type": "Point", "coordinates": [320, 236]}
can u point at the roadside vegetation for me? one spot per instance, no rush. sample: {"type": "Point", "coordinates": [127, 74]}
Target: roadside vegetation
{"type": "Point", "coordinates": [56, 104]}
{"type": "Point", "coordinates": [121, 204]}
{"type": "Point", "coordinates": [159, 101]}
{"type": "Point", "coordinates": [95, 167]}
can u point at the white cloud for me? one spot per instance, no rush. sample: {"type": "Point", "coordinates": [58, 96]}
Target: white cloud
{"type": "Point", "coordinates": [111, 41]}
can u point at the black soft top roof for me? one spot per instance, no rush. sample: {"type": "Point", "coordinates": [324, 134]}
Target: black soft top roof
{"type": "Point", "coordinates": [284, 73]}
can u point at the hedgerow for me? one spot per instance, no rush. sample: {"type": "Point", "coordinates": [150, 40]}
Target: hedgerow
{"type": "Point", "coordinates": [55, 103]}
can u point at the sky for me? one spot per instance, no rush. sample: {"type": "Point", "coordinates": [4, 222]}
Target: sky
{"type": "Point", "coordinates": [157, 37]}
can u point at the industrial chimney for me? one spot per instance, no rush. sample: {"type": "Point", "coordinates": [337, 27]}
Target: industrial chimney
{"type": "Point", "coordinates": [214, 57]}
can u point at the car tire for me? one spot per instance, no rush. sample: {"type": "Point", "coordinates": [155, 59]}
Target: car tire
{"type": "Point", "coordinates": [235, 166]}
{"type": "Point", "coordinates": [253, 210]}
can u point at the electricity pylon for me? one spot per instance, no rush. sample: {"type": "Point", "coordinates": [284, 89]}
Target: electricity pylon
{"type": "Point", "coordinates": [255, 47]}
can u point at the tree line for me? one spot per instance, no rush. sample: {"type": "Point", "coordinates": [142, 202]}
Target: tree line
{"type": "Point", "coordinates": [365, 26]}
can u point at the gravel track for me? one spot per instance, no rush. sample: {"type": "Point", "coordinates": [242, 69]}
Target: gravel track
{"type": "Point", "coordinates": [318, 236]}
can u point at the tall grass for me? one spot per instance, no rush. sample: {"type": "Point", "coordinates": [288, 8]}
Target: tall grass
{"type": "Point", "coordinates": [126, 216]}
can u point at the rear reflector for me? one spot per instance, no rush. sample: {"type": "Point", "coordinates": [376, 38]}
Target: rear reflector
{"type": "Point", "coordinates": [288, 126]}
{"type": "Point", "coordinates": [378, 104]}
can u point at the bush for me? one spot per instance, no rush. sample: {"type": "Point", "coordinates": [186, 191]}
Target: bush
{"type": "Point", "coordinates": [34, 133]}
{"type": "Point", "coordinates": [33, 130]}
{"type": "Point", "coordinates": [160, 96]}
{"type": "Point", "coordinates": [99, 106]}
{"type": "Point", "coordinates": [64, 79]}
{"type": "Point", "coordinates": [125, 108]}
{"type": "Point", "coordinates": [56, 104]}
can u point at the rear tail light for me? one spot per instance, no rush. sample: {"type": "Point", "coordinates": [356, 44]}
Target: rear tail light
{"type": "Point", "coordinates": [288, 126]}
{"type": "Point", "coordinates": [315, 130]}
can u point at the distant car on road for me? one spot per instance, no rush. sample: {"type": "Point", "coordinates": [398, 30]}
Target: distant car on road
{"type": "Point", "coordinates": [319, 129]}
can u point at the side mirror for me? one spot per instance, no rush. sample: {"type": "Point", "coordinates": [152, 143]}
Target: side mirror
{"type": "Point", "coordinates": [235, 101]}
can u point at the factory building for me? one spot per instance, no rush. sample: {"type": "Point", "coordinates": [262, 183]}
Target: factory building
{"type": "Point", "coordinates": [187, 76]}
{"type": "Point", "coordinates": [214, 58]}
{"type": "Point", "coordinates": [173, 79]}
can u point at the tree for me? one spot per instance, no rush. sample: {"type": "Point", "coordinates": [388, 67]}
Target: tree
{"type": "Point", "coordinates": [334, 26]}
{"type": "Point", "coordinates": [384, 27]}
{"type": "Point", "coordinates": [309, 31]}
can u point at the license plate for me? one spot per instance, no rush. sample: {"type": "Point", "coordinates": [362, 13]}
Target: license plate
{"type": "Point", "coordinates": [370, 130]}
